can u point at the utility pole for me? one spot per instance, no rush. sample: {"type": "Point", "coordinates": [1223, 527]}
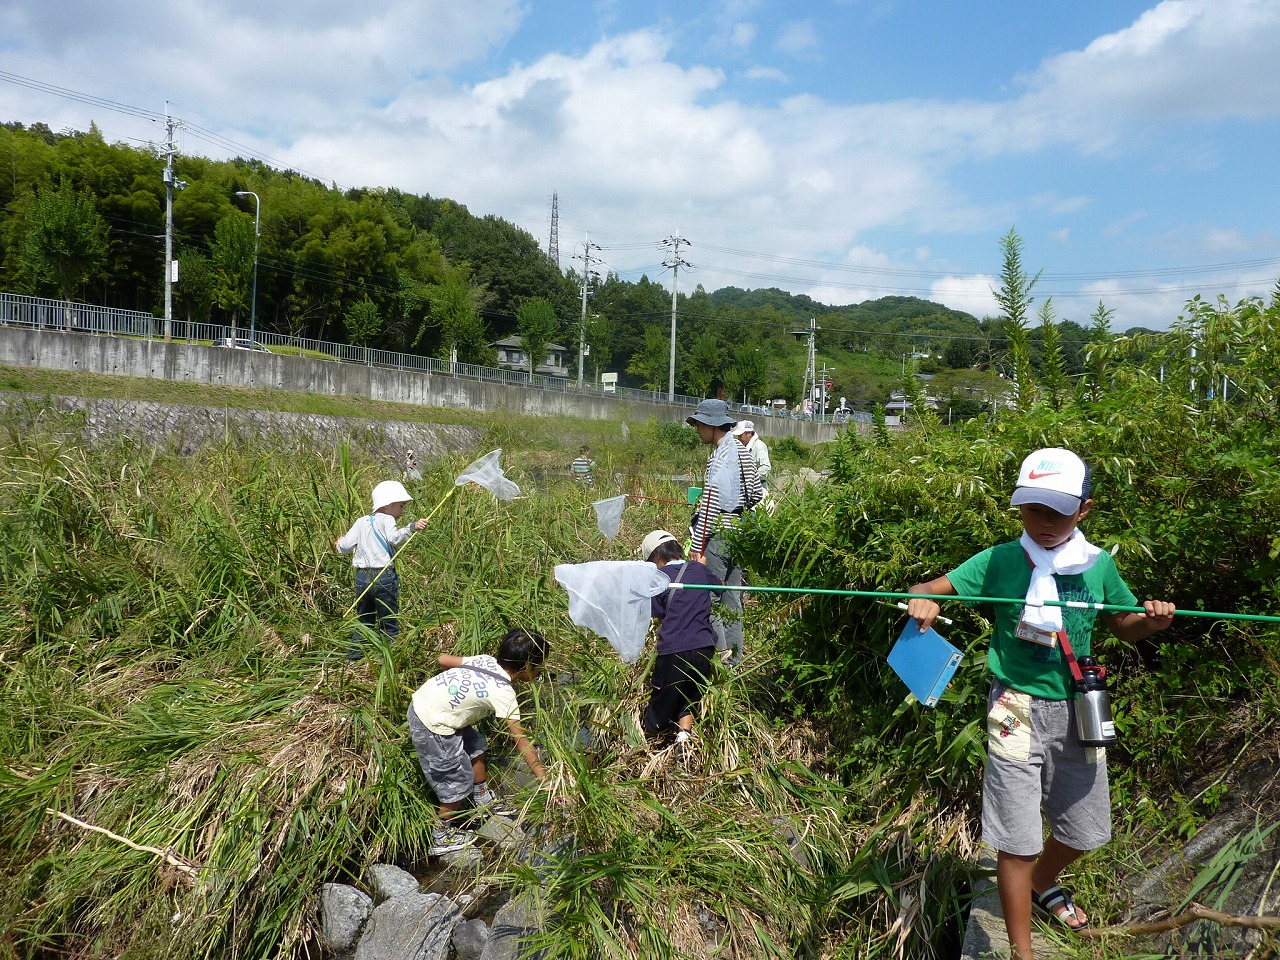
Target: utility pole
{"type": "Point", "coordinates": [810, 371]}
{"type": "Point", "coordinates": [675, 263]}
{"type": "Point", "coordinates": [169, 149]}
{"type": "Point", "coordinates": [587, 274]}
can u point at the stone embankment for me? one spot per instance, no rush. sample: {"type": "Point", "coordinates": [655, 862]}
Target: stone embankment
{"type": "Point", "coordinates": [185, 428]}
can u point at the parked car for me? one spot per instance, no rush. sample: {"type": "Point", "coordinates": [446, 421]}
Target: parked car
{"type": "Point", "coordinates": [241, 343]}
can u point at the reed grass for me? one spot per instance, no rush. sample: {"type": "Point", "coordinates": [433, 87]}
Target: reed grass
{"type": "Point", "coordinates": [172, 647]}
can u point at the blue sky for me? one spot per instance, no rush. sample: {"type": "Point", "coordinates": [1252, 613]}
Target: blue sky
{"type": "Point", "coordinates": [842, 149]}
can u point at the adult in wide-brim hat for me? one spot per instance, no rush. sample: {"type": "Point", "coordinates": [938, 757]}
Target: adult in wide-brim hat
{"type": "Point", "coordinates": [711, 413]}
{"type": "Point", "coordinates": [714, 516]}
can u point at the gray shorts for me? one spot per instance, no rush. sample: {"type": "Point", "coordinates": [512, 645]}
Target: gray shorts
{"type": "Point", "coordinates": [1036, 768]}
{"type": "Point", "coordinates": [446, 760]}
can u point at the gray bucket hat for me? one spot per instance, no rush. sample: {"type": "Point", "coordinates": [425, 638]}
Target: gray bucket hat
{"type": "Point", "coordinates": [713, 413]}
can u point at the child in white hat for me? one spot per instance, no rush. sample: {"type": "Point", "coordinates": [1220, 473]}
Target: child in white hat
{"type": "Point", "coordinates": [375, 539]}
{"type": "Point", "coordinates": [686, 640]}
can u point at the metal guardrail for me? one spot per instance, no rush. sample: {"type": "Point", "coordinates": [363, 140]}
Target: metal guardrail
{"type": "Point", "coordinates": [42, 313]}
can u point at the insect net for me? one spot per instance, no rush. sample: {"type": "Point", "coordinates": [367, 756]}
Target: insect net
{"type": "Point", "coordinates": [609, 515]}
{"type": "Point", "coordinates": [487, 473]}
{"type": "Point", "coordinates": [611, 599]}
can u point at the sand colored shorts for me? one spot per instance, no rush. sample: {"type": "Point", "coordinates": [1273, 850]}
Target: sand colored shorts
{"type": "Point", "coordinates": [446, 760]}
{"type": "Point", "coordinates": [1037, 770]}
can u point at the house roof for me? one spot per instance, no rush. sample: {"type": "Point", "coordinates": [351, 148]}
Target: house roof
{"type": "Point", "coordinates": [517, 344]}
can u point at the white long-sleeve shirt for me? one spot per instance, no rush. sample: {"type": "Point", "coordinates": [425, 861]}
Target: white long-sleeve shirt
{"type": "Point", "coordinates": [368, 551]}
{"type": "Point", "coordinates": [760, 453]}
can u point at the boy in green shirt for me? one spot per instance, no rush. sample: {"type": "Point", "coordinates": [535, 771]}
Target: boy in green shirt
{"type": "Point", "coordinates": [1034, 758]}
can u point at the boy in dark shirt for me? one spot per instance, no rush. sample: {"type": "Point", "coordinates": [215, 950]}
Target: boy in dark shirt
{"type": "Point", "coordinates": [686, 640]}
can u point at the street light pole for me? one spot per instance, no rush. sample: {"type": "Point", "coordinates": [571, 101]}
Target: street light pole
{"type": "Point", "coordinates": [675, 263]}
{"type": "Point", "coordinates": [257, 223]}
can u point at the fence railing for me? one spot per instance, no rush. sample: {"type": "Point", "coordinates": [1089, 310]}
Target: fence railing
{"type": "Point", "coordinates": [41, 313]}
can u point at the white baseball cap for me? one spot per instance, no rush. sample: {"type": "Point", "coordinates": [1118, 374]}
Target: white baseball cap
{"type": "Point", "coordinates": [653, 541]}
{"type": "Point", "coordinates": [744, 426]}
{"type": "Point", "coordinates": [388, 492]}
{"type": "Point", "coordinates": [1054, 477]}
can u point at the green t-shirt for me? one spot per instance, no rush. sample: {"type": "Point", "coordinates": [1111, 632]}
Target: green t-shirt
{"type": "Point", "coordinates": [1005, 571]}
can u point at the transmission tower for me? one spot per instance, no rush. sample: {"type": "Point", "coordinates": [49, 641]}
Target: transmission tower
{"type": "Point", "coordinates": [553, 244]}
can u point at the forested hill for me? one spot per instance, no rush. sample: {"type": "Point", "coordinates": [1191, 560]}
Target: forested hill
{"type": "Point", "coordinates": [84, 219]}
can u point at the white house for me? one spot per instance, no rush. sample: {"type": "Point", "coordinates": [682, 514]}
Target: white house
{"type": "Point", "coordinates": [512, 356]}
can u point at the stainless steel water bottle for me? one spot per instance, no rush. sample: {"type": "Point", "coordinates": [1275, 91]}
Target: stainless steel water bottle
{"type": "Point", "coordinates": [1093, 706]}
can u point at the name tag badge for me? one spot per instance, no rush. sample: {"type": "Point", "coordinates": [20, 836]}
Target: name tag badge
{"type": "Point", "coordinates": [1046, 638]}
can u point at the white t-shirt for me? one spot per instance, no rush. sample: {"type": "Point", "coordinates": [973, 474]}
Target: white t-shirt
{"type": "Point", "coordinates": [459, 697]}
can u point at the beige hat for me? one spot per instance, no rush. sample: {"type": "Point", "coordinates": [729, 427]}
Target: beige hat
{"type": "Point", "coordinates": [653, 541]}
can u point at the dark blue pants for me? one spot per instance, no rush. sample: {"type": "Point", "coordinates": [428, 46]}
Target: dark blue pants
{"type": "Point", "coordinates": [377, 605]}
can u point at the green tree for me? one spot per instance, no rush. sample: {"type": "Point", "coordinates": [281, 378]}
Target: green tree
{"type": "Point", "coordinates": [960, 353]}
{"type": "Point", "coordinates": [1097, 352]}
{"type": "Point", "coordinates": [1057, 387]}
{"type": "Point", "coordinates": [749, 374]}
{"type": "Point", "coordinates": [600, 340]}
{"type": "Point", "coordinates": [363, 322]}
{"type": "Point", "coordinates": [537, 324]}
{"type": "Point", "coordinates": [702, 364]}
{"type": "Point", "coordinates": [65, 242]}
{"type": "Point", "coordinates": [455, 312]}
{"type": "Point", "coordinates": [650, 364]}
{"type": "Point", "coordinates": [193, 293]}
{"type": "Point", "coordinates": [232, 257]}
{"type": "Point", "coordinates": [1014, 297]}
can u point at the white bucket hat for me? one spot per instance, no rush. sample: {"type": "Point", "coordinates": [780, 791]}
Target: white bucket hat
{"type": "Point", "coordinates": [388, 492]}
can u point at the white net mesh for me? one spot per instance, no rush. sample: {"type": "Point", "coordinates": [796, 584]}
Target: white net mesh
{"type": "Point", "coordinates": [725, 474]}
{"type": "Point", "coordinates": [611, 598]}
{"type": "Point", "coordinates": [487, 473]}
{"type": "Point", "coordinates": [609, 515]}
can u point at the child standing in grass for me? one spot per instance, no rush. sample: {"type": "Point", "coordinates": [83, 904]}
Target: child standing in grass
{"type": "Point", "coordinates": [583, 467]}
{"type": "Point", "coordinates": [442, 718]}
{"type": "Point", "coordinates": [1034, 759]}
{"type": "Point", "coordinates": [374, 540]}
{"type": "Point", "coordinates": [686, 639]}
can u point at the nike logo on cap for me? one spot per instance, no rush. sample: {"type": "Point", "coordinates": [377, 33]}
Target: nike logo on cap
{"type": "Point", "coordinates": [1037, 474]}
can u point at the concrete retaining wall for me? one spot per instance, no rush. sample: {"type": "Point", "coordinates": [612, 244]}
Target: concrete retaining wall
{"type": "Point", "coordinates": [194, 363]}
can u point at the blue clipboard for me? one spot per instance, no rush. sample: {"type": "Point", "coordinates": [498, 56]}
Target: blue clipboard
{"type": "Point", "coordinates": [926, 662]}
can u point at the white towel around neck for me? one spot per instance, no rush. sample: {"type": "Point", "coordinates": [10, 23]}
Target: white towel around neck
{"type": "Point", "coordinates": [1076, 555]}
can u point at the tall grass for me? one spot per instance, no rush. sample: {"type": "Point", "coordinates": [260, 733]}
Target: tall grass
{"type": "Point", "coordinates": [172, 647]}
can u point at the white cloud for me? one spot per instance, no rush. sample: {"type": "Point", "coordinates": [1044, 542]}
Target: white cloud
{"type": "Point", "coordinates": [743, 35]}
{"type": "Point", "coordinates": [765, 73]}
{"type": "Point", "coordinates": [1182, 59]}
{"type": "Point", "coordinates": [247, 65]}
{"type": "Point", "coordinates": [971, 294]}
{"type": "Point", "coordinates": [799, 38]}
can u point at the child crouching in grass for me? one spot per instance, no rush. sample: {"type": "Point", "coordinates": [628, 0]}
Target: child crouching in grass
{"type": "Point", "coordinates": [442, 718]}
